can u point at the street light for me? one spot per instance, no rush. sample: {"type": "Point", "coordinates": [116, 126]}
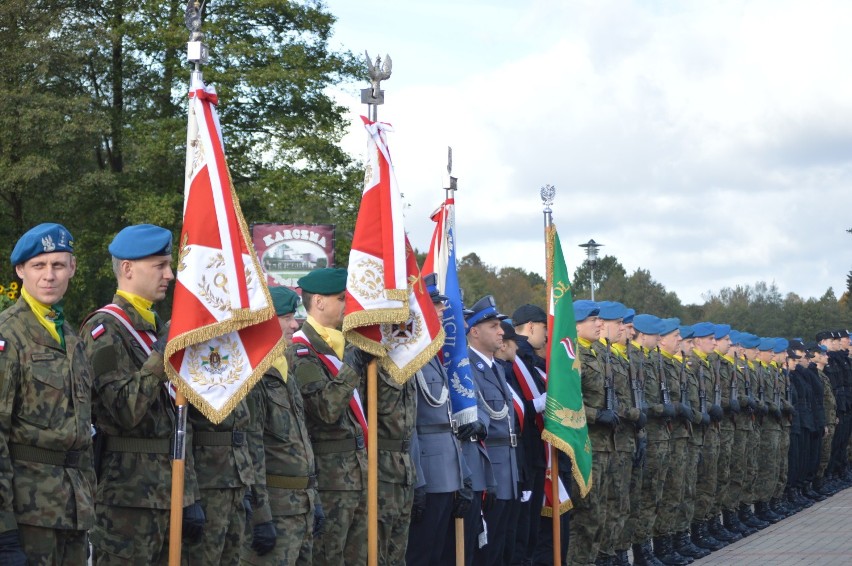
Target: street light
{"type": "Point", "coordinates": [592, 255]}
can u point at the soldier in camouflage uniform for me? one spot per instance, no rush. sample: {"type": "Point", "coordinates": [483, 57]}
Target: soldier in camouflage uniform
{"type": "Point", "coordinates": [286, 507]}
{"type": "Point", "coordinates": [770, 432]}
{"type": "Point", "coordinates": [753, 370]}
{"type": "Point", "coordinates": [133, 410]}
{"type": "Point", "coordinates": [589, 513]}
{"type": "Point", "coordinates": [328, 387]}
{"type": "Point", "coordinates": [46, 474]}
{"type": "Point", "coordinates": [618, 497]}
{"type": "Point", "coordinates": [820, 358]}
{"type": "Point", "coordinates": [788, 412]}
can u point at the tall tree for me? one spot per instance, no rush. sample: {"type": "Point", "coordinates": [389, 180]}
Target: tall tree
{"type": "Point", "coordinates": [605, 268]}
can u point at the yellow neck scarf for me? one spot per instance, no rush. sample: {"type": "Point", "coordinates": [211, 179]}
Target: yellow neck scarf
{"type": "Point", "coordinates": [50, 317]}
{"type": "Point", "coordinates": [620, 350]}
{"type": "Point", "coordinates": [142, 306]}
{"type": "Point", "coordinates": [281, 365]}
{"type": "Point", "coordinates": [585, 343]}
{"type": "Point", "coordinates": [666, 354]}
{"type": "Point", "coordinates": [332, 336]}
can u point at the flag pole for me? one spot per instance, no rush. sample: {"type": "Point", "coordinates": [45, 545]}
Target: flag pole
{"type": "Point", "coordinates": [196, 52]}
{"type": "Point", "coordinates": [548, 192]}
{"type": "Point", "coordinates": [373, 97]}
{"type": "Point", "coordinates": [450, 193]}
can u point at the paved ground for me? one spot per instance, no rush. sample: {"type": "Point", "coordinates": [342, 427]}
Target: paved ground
{"type": "Point", "coordinates": [820, 535]}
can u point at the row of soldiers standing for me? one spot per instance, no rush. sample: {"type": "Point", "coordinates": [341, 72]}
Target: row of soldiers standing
{"type": "Point", "coordinates": [701, 434]}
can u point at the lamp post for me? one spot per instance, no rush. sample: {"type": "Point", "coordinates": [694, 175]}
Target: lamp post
{"type": "Point", "coordinates": [592, 255]}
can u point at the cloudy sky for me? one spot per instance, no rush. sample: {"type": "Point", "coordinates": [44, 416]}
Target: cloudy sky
{"type": "Point", "coordinates": [708, 142]}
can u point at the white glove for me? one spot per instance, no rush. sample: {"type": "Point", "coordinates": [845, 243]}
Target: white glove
{"type": "Point", "coordinates": [525, 496]}
{"type": "Point", "coordinates": [539, 402]}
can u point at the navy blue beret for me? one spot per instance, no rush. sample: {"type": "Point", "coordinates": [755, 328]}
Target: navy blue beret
{"type": "Point", "coordinates": [284, 299]}
{"type": "Point", "coordinates": [584, 308]}
{"type": "Point", "coordinates": [647, 324]}
{"type": "Point", "coordinates": [42, 239]}
{"type": "Point", "coordinates": [141, 240]}
{"type": "Point", "coordinates": [702, 329]}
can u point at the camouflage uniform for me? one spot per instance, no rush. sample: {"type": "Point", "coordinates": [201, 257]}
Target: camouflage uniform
{"type": "Point", "coordinates": [285, 487]}
{"type": "Point", "coordinates": [135, 419]}
{"type": "Point", "coordinates": [671, 508]}
{"type": "Point", "coordinates": [750, 488]}
{"type": "Point", "coordinates": [743, 432]}
{"type": "Point", "coordinates": [396, 410]}
{"type": "Point", "coordinates": [770, 439]}
{"type": "Point", "coordinates": [615, 538]}
{"type": "Point", "coordinates": [694, 451]}
{"type": "Point", "coordinates": [46, 475]}
{"type": "Point", "coordinates": [705, 485]}
{"type": "Point", "coordinates": [782, 381]}
{"type": "Point", "coordinates": [588, 517]}
{"type": "Point", "coordinates": [338, 443]}
{"type": "Point", "coordinates": [724, 368]}
{"type": "Point", "coordinates": [830, 405]}
{"type": "Point", "coordinates": [223, 466]}
{"type": "Point", "coordinates": [649, 503]}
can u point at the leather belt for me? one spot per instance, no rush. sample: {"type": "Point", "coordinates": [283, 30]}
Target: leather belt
{"type": "Point", "coordinates": [434, 428]}
{"type": "Point", "coordinates": [138, 445]}
{"type": "Point", "coordinates": [511, 440]}
{"type": "Point", "coordinates": [70, 459]}
{"type": "Point", "coordinates": [291, 482]}
{"type": "Point", "coordinates": [208, 438]}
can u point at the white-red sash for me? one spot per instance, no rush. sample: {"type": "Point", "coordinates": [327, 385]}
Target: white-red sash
{"type": "Point", "coordinates": [145, 338]}
{"type": "Point", "coordinates": [519, 406]}
{"type": "Point", "coordinates": [333, 365]}
{"type": "Point", "coordinates": [548, 486]}
{"type": "Point", "coordinates": [528, 386]}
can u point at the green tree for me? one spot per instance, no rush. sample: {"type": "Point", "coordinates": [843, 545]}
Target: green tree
{"type": "Point", "coordinates": [605, 268]}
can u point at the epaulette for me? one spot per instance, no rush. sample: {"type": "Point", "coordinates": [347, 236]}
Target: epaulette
{"type": "Point", "coordinates": [98, 331]}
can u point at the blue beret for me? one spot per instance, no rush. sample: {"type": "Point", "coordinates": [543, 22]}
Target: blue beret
{"type": "Point", "coordinates": [722, 330]}
{"type": "Point", "coordinates": [781, 345]}
{"type": "Point", "coordinates": [735, 336]}
{"type": "Point", "coordinates": [482, 310]}
{"type": "Point", "coordinates": [284, 299]}
{"type": "Point", "coordinates": [142, 240]}
{"type": "Point", "coordinates": [583, 309]}
{"type": "Point", "coordinates": [629, 316]}
{"type": "Point", "coordinates": [748, 340]}
{"type": "Point", "coordinates": [669, 325]}
{"type": "Point", "coordinates": [766, 344]}
{"type": "Point", "coordinates": [686, 332]}
{"type": "Point", "coordinates": [702, 329]}
{"type": "Point", "coordinates": [42, 239]}
{"type": "Point", "coordinates": [647, 323]}
{"type": "Point", "coordinates": [612, 310]}
{"type": "Point", "coordinates": [324, 281]}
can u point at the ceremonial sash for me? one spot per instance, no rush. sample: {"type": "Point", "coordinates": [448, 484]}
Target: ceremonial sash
{"type": "Point", "coordinates": [333, 365]}
{"type": "Point", "coordinates": [528, 385]}
{"type": "Point", "coordinates": [519, 406]}
{"type": "Point", "coordinates": [145, 338]}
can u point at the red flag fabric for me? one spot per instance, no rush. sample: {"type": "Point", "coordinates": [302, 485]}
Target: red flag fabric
{"type": "Point", "coordinates": [224, 334]}
{"type": "Point", "coordinates": [388, 311]}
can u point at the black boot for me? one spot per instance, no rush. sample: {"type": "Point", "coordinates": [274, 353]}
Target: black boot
{"type": "Point", "coordinates": [778, 508]}
{"type": "Point", "coordinates": [732, 522]}
{"type": "Point", "coordinates": [604, 560]}
{"type": "Point", "coordinates": [762, 512]}
{"type": "Point", "coordinates": [813, 493]}
{"type": "Point", "coordinates": [666, 554]}
{"type": "Point", "coordinates": [643, 555]}
{"type": "Point", "coordinates": [682, 544]}
{"type": "Point", "coordinates": [747, 517]}
{"type": "Point", "coordinates": [801, 499]}
{"type": "Point", "coordinates": [720, 533]}
{"type": "Point", "coordinates": [703, 539]}
{"type": "Point", "coordinates": [621, 558]}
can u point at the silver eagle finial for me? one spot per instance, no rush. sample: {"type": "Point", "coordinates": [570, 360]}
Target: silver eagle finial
{"type": "Point", "coordinates": [378, 72]}
{"type": "Point", "coordinates": [548, 192]}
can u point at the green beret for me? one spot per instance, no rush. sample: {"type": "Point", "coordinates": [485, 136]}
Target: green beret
{"type": "Point", "coordinates": [325, 281]}
{"type": "Point", "coordinates": [284, 299]}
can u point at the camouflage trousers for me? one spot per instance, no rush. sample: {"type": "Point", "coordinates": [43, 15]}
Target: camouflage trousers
{"type": "Point", "coordinates": [749, 494]}
{"type": "Point", "coordinates": [395, 502]}
{"type": "Point", "coordinates": [706, 480]}
{"type": "Point", "coordinates": [825, 453]}
{"type": "Point", "coordinates": [617, 501]}
{"type": "Point", "coordinates": [767, 473]}
{"type": "Point", "coordinates": [53, 547]}
{"type": "Point", "coordinates": [667, 522]}
{"type": "Point", "coordinates": [686, 513]}
{"type": "Point", "coordinates": [723, 496]}
{"type": "Point", "coordinates": [624, 540]}
{"type": "Point", "coordinates": [589, 514]}
{"type": "Point", "coordinates": [345, 538]}
{"type": "Point", "coordinates": [739, 470]}
{"type": "Point", "coordinates": [647, 506]}
{"type": "Point", "coordinates": [294, 544]}
{"type": "Point", "coordinates": [224, 530]}
{"type": "Point", "coordinates": [784, 462]}
{"type": "Point", "coordinates": [130, 536]}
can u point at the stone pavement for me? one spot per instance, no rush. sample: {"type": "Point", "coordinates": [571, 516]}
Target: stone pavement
{"type": "Point", "coordinates": [820, 535]}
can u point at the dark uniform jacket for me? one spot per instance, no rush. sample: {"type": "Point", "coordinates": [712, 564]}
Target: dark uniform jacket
{"type": "Point", "coordinates": [134, 415]}
{"type": "Point", "coordinates": [45, 414]}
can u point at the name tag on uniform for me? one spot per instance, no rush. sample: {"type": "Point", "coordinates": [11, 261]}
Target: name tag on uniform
{"type": "Point", "coordinates": [45, 357]}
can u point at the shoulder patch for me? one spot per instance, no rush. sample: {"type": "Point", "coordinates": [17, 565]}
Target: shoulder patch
{"type": "Point", "coordinates": [2, 345]}
{"type": "Point", "coordinates": [302, 352]}
{"type": "Point", "coordinates": [98, 331]}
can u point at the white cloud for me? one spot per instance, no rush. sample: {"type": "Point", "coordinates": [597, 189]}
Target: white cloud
{"type": "Point", "coordinates": [710, 143]}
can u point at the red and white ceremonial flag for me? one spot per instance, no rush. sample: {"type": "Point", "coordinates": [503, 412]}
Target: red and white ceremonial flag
{"type": "Point", "coordinates": [224, 334]}
{"type": "Point", "coordinates": [388, 311]}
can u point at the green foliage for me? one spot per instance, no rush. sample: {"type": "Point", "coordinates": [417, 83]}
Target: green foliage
{"type": "Point", "coordinates": [604, 268]}
{"type": "Point", "coordinates": [511, 286]}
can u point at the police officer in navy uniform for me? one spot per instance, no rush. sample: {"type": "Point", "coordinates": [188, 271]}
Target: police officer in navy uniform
{"type": "Point", "coordinates": [444, 488]}
{"type": "Point", "coordinates": [485, 336]}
